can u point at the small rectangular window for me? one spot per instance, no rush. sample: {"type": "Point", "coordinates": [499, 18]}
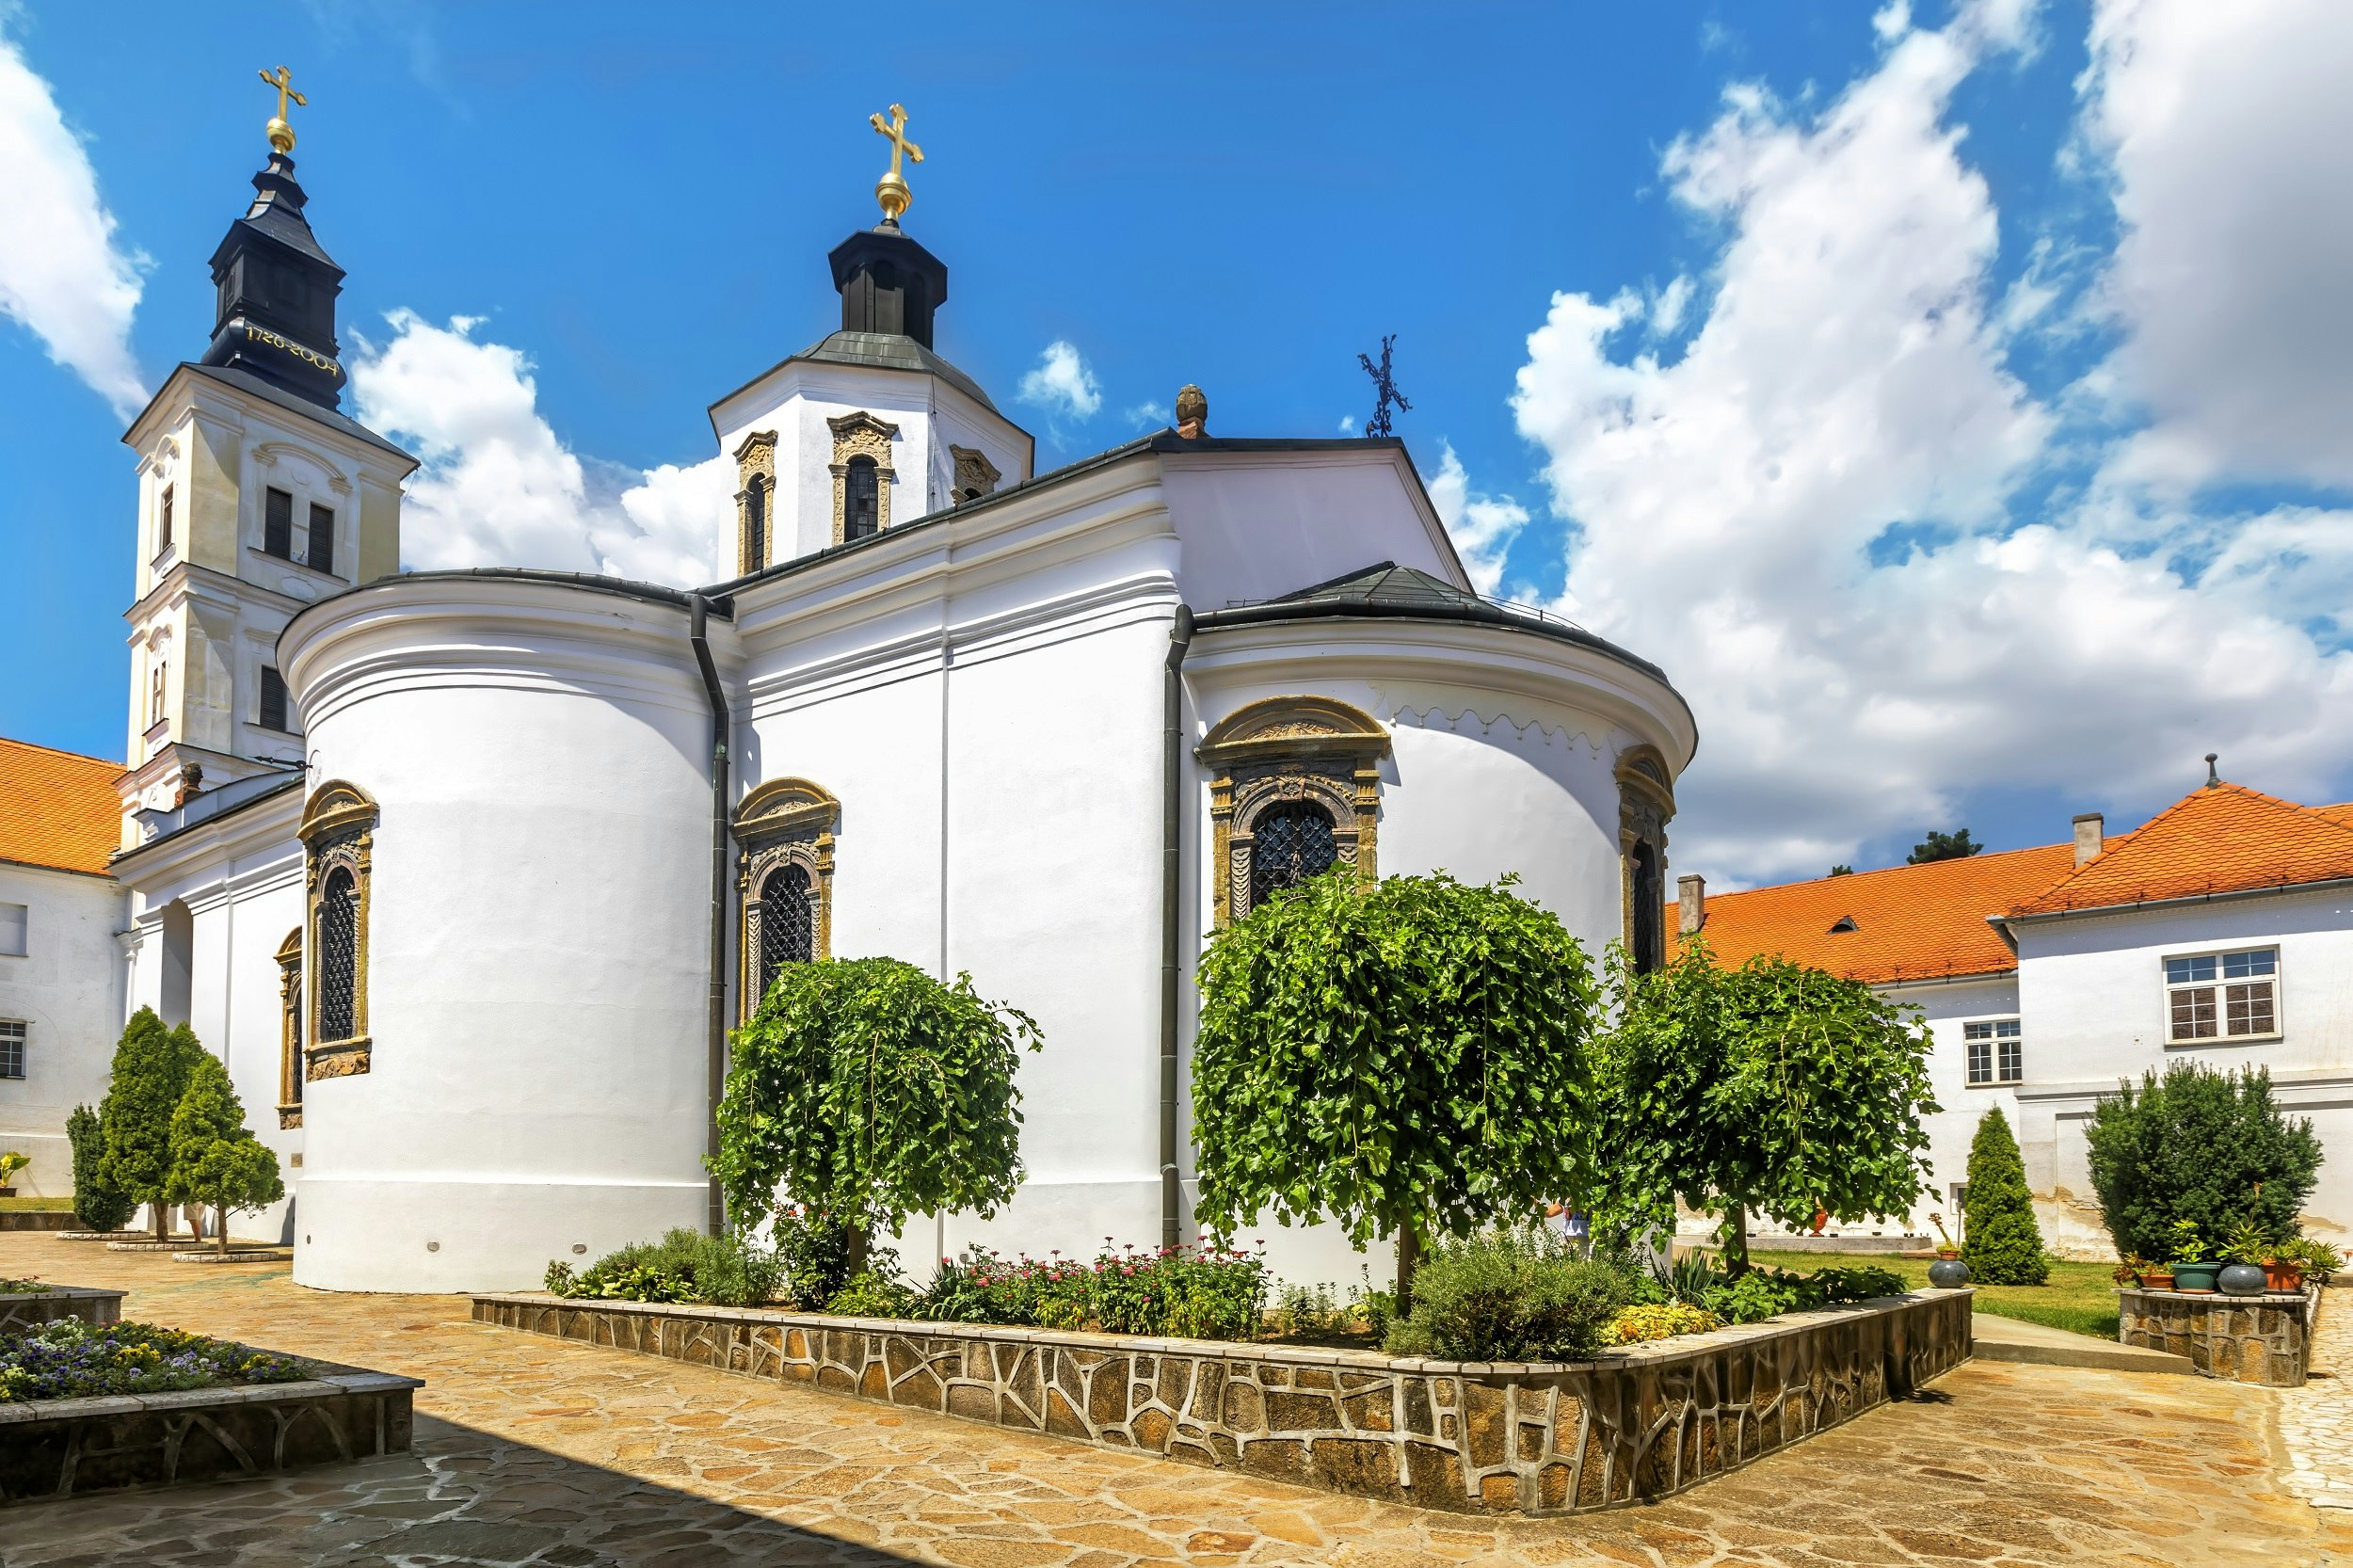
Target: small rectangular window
{"type": "Point", "coordinates": [2244, 1005]}
{"type": "Point", "coordinates": [11, 1048]}
{"type": "Point", "coordinates": [321, 555]}
{"type": "Point", "coordinates": [14, 926]}
{"type": "Point", "coordinates": [155, 695]}
{"type": "Point", "coordinates": [273, 699]}
{"type": "Point", "coordinates": [278, 523]}
{"type": "Point", "coordinates": [163, 522]}
{"type": "Point", "coordinates": [1996, 1051]}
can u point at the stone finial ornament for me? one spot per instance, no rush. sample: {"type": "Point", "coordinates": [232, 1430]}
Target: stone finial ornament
{"type": "Point", "coordinates": [1192, 412]}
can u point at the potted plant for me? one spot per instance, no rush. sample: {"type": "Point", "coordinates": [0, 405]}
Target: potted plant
{"type": "Point", "coordinates": [1948, 1273]}
{"type": "Point", "coordinates": [2243, 1254]}
{"type": "Point", "coordinates": [2293, 1261]}
{"type": "Point", "coordinates": [2132, 1269]}
{"type": "Point", "coordinates": [2194, 1269]}
{"type": "Point", "coordinates": [10, 1163]}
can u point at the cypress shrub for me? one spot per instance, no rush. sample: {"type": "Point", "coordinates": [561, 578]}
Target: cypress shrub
{"type": "Point", "coordinates": [96, 1204]}
{"type": "Point", "coordinates": [151, 1074]}
{"type": "Point", "coordinates": [2209, 1148]}
{"type": "Point", "coordinates": [215, 1160]}
{"type": "Point", "coordinates": [2000, 1240]}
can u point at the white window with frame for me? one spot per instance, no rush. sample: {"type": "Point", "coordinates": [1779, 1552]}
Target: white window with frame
{"type": "Point", "coordinates": [1996, 1051]}
{"type": "Point", "coordinates": [15, 926]}
{"type": "Point", "coordinates": [11, 1048]}
{"type": "Point", "coordinates": [2222, 996]}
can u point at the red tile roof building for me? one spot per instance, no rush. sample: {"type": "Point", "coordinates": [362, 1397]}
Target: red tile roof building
{"type": "Point", "coordinates": [57, 809]}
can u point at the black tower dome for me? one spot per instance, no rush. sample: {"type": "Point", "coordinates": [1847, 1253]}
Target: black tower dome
{"type": "Point", "coordinates": [889, 284]}
{"type": "Point", "coordinates": [278, 291]}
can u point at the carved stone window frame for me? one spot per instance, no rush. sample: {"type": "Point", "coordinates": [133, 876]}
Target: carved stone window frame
{"type": "Point", "coordinates": [861, 434]}
{"type": "Point", "coordinates": [1280, 749]}
{"type": "Point", "coordinates": [755, 463]}
{"type": "Point", "coordinates": [974, 473]}
{"type": "Point", "coordinates": [785, 822]}
{"type": "Point", "coordinates": [289, 1030]}
{"type": "Point", "coordinates": [338, 830]}
{"type": "Point", "coordinates": [1646, 803]}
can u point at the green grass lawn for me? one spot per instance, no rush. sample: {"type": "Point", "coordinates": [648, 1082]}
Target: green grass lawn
{"type": "Point", "coordinates": [2081, 1296]}
{"type": "Point", "coordinates": [37, 1205]}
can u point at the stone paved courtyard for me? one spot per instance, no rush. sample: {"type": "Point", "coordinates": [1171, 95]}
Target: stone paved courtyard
{"type": "Point", "coordinates": [532, 1450]}
{"type": "Point", "coordinates": [2316, 1420]}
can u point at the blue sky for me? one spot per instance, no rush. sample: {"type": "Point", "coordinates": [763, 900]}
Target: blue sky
{"type": "Point", "coordinates": [1953, 402]}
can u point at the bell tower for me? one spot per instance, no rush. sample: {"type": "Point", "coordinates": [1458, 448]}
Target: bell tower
{"type": "Point", "coordinates": [257, 495]}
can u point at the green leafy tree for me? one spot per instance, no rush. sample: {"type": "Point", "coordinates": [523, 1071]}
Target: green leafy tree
{"type": "Point", "coordinates": [2000, 1240]}
{"type": "Point", "coordinates": [1769, 1089]}
{"type": "Point", "coordinates": [96, 1204]}
{"type": "Point", "coordinates": [1842, 870]}
{"type": "Point", "coordinates": [867, 1091]}
{"type": "Point", "coordinates": [216, 1160]}
{"type": "Point", "coordinates": [1411, 1058]}
{"type": "Point", "coordinates": [1942, 846]}
{"type": "Point", "coordinates": [2212, 1148]}
{"type": "Point", "coordinates": [151, 1065]}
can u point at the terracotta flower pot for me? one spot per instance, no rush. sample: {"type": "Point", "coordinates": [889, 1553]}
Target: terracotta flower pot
{"type": "Point", "coordinates": [2283, 1276]}
{"type": "Point", "coordinates": [2157, 1279]}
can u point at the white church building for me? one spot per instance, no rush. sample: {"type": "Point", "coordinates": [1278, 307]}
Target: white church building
{"type": "Point", "coordinates": [467, 875]}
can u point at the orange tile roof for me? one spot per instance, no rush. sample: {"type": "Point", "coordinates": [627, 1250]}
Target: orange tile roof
{"type": "Point", "coordinates": [59, 808]}
{"type": "Point", "coordinates": [2222, 838]}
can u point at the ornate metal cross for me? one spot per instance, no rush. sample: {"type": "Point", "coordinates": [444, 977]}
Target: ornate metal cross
{"type": "Point", "coordinates": [281, 135]}
{"type": "Point", "coordinates": [892, 189]}
{"type": "Point", "coordinates": [1385, 390]}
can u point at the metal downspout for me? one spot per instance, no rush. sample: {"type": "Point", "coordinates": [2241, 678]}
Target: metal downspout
{"type": "Point", "coordinates": [697, 610]}
{"type": "Point", "coordinates": [1171, 907]}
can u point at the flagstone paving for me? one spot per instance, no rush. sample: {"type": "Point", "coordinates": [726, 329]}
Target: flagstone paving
{"type": "Point", "coordinates": [2316, 1420]}
{"type": "Point", "coordinates": [537, 1452]}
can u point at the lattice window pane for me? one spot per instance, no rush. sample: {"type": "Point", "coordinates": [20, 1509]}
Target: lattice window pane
{"type": "Point", "coordinates": [1291, 843]}
{"type": "Point", "coordinates": [788, 922]}
{"type": "Point", "coordinates": [11, 1048]}
{"type": "Point", "coordinates": [2246, 1009]}
{"type": "Point", "coordinates": [339, 956]}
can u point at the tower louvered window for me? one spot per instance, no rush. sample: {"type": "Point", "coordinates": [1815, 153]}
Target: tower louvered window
{"type": "Point", "coordinates": [755, 524]}
{"type": "Point", "coordinates": [862, 499]}
{"type": "Point", "coordinates": [1293, 842]}
{"type": "Point", "coordinates": [788, 922]}
{"type": "Point", "coordinates": [338, 955]}
{"type": "Point", "coordinates": [321, 556]}
{"type": "Point", "coordinates": [278, 523]}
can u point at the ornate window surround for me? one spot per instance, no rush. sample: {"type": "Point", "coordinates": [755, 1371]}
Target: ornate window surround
{"type": "Point", "coordinates": [338, 829]}
{"type": "Point", "coordinates": [861, 434]}
{"type": "Point", "coordinates": [1646, 803]}
{"type": "Point", "coordinates": [1287, 748]}
{"type": "Point", "coordinates": [783, 821]}
{"type": "Point", "coordinates": [755, 463]}
{"type": "Point", "coordinates": [290, 1032]}
{"type": "Point", "coordinates": [976, 476]}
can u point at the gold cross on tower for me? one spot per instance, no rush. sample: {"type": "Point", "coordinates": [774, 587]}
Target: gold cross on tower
{"type": "Point", "coordinates": [281, 135]}
{"type": "Point", "coordinates": [892, 189]}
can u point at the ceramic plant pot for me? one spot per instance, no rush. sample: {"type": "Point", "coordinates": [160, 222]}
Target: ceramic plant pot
{"type": "Point", "coordinates": [2196, 1279]}
{"type": "Point", "coordinates": [2283, 1276]}
{"type": "Point", "coordinates": [1948, 1273]}
{"type": "Point", "coordinates": [2157, 1279]}
{"type": "Point", "coordinates": [2241, 1279]}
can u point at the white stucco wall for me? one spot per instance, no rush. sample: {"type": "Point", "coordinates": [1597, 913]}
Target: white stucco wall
{"type": "Point", "coordinates": [67, 990]}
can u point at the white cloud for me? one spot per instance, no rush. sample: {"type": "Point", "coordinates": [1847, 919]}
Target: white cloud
{"type": "Point", "coordinates": [1148, 415]}
{"type": "Point", "coordinates": [1848, 377]}
{"type": "Point", "coordinates": [1062, 384]}
{"type": "Point", "coordinates": [60, 274]}
{"type": "Point", "coordinates": [2224, 128]}
{"type": "Point", "coordinates": [1348, 424]}
{"type": "Point", "coordinates": [1482, 526]}
{"type": "Point", "coordinates": [498, 489]}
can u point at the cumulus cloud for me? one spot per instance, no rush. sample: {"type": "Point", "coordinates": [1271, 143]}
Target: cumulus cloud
{"type": "Point", "coordinates": [499, 488]}
{"type": "Point", "coordinates": [1482, 526]}
{"type": "Point", "coordinates": [61, 275]}
{"type": "Point", "coordinates": [1806, 515]}
{"type": "Point", "coordinates": [1149, 415]}
{"type": "Point", "coordinates": [1062, 384]}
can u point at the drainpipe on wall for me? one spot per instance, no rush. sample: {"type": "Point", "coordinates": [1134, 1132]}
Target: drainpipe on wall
{"type": "Point", "coordinates": [1171, 907]}
{"type": "Point", "coordinates": [697, 610]}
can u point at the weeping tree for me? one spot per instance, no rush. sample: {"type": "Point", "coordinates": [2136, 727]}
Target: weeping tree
{"type": "Point", "coordinates": [216, 1160]}
{"type": "Point", "coordinates": [1411, 1058]}
{"type": "Point", "coordinates": [1771, 1089]}
{"type": "Point", "coordinates": [152, 1064]}
{"type": "Point", "coordinates": [867, 1091]}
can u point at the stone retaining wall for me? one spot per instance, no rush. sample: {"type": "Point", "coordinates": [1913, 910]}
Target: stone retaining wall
{"type": "Point", "coordinates": [1497, 1438]}
{"type": "Point", "coordinates": [2265, 1340]}
{"type": "Point", "coordinates": [56, 1449]}
{"type": "Point", "coordinates": [35, 1219]}
{"type": "Point", "coordinates": [30, 1310]}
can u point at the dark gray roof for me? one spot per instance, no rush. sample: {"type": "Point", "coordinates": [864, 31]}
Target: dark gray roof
{"type": "Point", "coordinates": [890, 351]}
{"type": "Point", "coordinates": [245, 381]}
{"type": "Point", "coordinates": [1390, 592]}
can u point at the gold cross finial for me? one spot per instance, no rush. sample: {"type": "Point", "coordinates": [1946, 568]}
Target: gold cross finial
{"type": "Point", "coordinates": [281, 135]}
{"type": "Point", "coordinates": [892, 189]}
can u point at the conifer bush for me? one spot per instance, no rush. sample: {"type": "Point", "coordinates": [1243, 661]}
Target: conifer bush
{"type": "Point", "coordinates": [152, 1063]}
{"type": "Point", "coordinates": [216, 1160]}
{"type": "Point", "coordinates": [2212, 1148]}
{"type": "Point", "coordinates": [1999, 1240]}
{"type": "Point", "coordinates": [97, 1205]}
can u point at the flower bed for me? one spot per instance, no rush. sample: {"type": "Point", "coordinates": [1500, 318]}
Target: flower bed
{"type": "Point", "coordinates": [69, 1359]}
{"type": "Point", "coordinates": [1497, 1438]}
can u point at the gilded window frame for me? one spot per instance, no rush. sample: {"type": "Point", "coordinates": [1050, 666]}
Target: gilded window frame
{"type": "Point", "coordinates": [289, 1030]}
{"type": "Point", "coordinates": [1280, 749]}
{"type": "Point", "coordinates": [755, 463]}
{"type": "Point", "coordinates": [338, 830]}
{"type": "Point", "coordinates": [1646, 803]}
{"type": "Point", "coordinates": [783, 821]}
{"type": "Point", "coordinates": [861, 434]}
{"type": "Point", "coordinates": [973, 472]}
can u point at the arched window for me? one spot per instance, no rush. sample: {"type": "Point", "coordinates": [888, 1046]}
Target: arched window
{"type": "Point", "coordinates": [1646, 803]}
{"type": "Point", "coordinates": [338, 955]}
{"type": "Point", "coordinates": [754, 502]}
{"type": "Point", "coordinates": [1650, 912]}
{"type": "Point", "coordinates": [862, 506]}
{"type": "Point", "coordinates": [756, 523]}
{"type": "Point", "coordinates": [784, 875]}
{"type": "Point", "coordinates": [290, 1074]}
{"type": "Point", "coordinates": [788, 922]}
{"type": "Point", "coordinates": [339, 831]}
{"type": "Point", "coordinates": [1294, 841]}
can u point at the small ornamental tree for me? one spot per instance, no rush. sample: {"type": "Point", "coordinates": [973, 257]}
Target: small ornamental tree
{"type": "Point", "coordinates": [2212, 1148]}
{"type": "Point", "coordinates": [216, 1160]}
{"type": "Point", "coordinates": [96, 1204]}
{"type": "Point", "coordinates": [867, 1091]}
{"type": "Point", "coordinates": [1999, 1239]}
{"type": "Point", "coordinates": [151, 1065]}
{"type": "Point", "coordinates": [1771, 1089]}
{"type": "Point", "coordinates": [1410, 1059]}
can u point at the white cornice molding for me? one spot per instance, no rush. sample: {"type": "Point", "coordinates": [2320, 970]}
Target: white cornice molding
{"type": "Point", "coordinates": [201, 397]}
{"type": "Point", "coordinates": [213, 850]}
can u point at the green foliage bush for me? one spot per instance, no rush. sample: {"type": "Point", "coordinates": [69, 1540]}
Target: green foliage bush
{"type": "Point", "coordinates": [872, 1295]}
{"type": "Point", "coordinates": [2197, 1145]}
{"type": "Point", "coordinates": [216, 1160]}
{"type": "Point", "coordinates": [97, 1205]}
{"type": "Point", "coordinates": [1509, 1296]}
{"type": "Point", "coordinates": [685, 1265]}
{"type": "Point", "coordinates": [152, 1063]}
{"type": "Point", "coordinates": [2000, 1240]}
{"type": "Point", "coordinates": [1183, 1292]}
